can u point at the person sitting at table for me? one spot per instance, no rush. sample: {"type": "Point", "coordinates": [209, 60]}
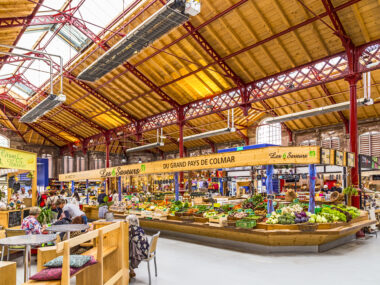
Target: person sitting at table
{"type": "Point", "coordinates": [138, 244]}
{"type": "Point", "coordinates": [30, 224]}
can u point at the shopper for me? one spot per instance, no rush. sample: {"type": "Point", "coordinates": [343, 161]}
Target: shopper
{"type": "Point", "coordinates": [115, 196]}
{"type": "Point", "coordinates": [72, 211]}
{"type": "Point", "coordinates": [51, 200]}
{"type": "Point", "coordinates": [101, 196]}
{"type": "Point", "coordinates": [75, 198]}
{"type": "Point", "coordinates": [59, 204]}
{"type": "Point", "coordinates": [138, 244]}
{"type": "Point", "coordinates": [29, 195]}
{"type": "Point", "coordinates": [30, 224]}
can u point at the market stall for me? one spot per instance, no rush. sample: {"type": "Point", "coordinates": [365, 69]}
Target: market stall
{"type": "Point", "coordinates": [259, 215]}
{"type": "Point", "coordinates": [15, 163]}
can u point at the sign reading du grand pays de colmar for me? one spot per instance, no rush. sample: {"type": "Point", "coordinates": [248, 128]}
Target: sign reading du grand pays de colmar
{"type": "Point", "coordinates": [16, 159]}
{"type": "Point", "coordinates": [264, 156]}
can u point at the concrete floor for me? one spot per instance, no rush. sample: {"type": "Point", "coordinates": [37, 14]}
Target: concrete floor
{"type": "Point", "coordinates": [188, 264]}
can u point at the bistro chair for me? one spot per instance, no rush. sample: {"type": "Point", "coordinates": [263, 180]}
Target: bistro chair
{"type": "Point", "coordinates": [12, 233]}
{"type": "Point", "coordinates": [152, 254]}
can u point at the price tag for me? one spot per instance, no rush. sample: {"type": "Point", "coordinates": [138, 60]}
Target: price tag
{"type": "Point", "coordinates": [216, 205]}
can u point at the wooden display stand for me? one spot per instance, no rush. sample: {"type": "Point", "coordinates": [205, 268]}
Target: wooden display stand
{"type": "Point", "coordinates": [111, 252]}
{"type": "Point", "coordinates": [92, 212]}
{"type": "Point", "coordinates": [13, 218]}
{"type": "Point", "coordinates": [7, 273]}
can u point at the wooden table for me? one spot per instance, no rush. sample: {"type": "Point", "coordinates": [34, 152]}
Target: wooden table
{"type": "Point", "coordinates": [67, 228]}
{"type": "Point", "coordinates": [28, 241]}
{"type": "Point", "coordinates": [7, 273]}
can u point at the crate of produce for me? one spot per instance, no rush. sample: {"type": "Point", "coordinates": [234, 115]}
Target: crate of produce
{"type": "Point", "coordinates": [246, 223]}
{"type": "Point", "coordinates": [217, 221]}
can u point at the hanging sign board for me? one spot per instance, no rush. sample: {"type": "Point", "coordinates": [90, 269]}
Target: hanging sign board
{"type": "Point", "coordinates": [264, 156]}
{"type": "Point", "coordinates": [339, 158]}
{"type": "Point", "coordinates": [350, 158]}
{"type": "Point", "coordinates": [325, 156]}
{"type": "Point", "coordinates": [17, 159]}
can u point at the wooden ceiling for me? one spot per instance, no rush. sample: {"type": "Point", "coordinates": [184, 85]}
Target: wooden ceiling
{"type": "Point", "coordinates": [174, 69]}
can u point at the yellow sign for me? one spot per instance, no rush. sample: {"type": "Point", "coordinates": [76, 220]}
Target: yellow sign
{"type": "Point", "coordinates": [17, 159]}
{"type": "Point", "coordinates": [263, 156]}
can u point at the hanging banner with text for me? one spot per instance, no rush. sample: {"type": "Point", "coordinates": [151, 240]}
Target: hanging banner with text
{"type": "Point", "coordinates": [264, 156]}
{"type": "Point", "coordinates": [17, 159]}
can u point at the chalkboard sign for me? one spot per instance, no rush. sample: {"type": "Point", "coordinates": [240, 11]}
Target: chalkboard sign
{"type": "Point", "coordinates": [14, 219]}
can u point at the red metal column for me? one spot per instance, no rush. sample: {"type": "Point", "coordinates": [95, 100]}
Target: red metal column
{"type": "Point", "coordinates": [352, 80]}
{"type": "Point", "coordinates": [181, 123]}
{"type": "Point", "coordinates": [108, 160]}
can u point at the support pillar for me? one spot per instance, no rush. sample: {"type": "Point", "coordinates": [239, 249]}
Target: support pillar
{"type": "Point", "coordinates": [108, 162]}
{"type": "Point", "coordinates": [176, 185]}
{"type": "Point", "coordinates": [119, 187]}
{"type": "Point", "coordinates": [312, 179]}
{"type": "Point", "coordinates": [181, 147]}
{"type": "Point", "coordinates": [87, 193]}
{"type": "Point", "coordinates": [352, 80]}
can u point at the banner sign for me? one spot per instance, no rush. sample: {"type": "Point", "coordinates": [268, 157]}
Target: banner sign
{"type": "Point", "coordinates": [263, 156]}
{"type": "Point", "coordinates": [17, 159]}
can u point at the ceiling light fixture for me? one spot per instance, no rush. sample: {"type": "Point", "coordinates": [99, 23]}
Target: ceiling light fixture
{"type": "Point", "coordinates": [173, 14]}
{"type": "Point", "coordinates": [318, 111]}
{"type": "Point", "coordinates": [159, 143]}
{"type": "Point", "coordinates": [229, 129]}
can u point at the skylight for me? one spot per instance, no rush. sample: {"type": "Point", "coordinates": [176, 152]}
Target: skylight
{"type": "Point", "coordinates": [96, 14]}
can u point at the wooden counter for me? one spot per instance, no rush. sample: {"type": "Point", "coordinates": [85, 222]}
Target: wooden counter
{"type": "Point", "coordinates": [92, 212]}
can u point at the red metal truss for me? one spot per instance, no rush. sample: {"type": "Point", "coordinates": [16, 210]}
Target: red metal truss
{"type": "Point", "coordinates": [14, 114]}
{"type": "Point", "coordinates": [24, 81]}
{"type": "Point", "coordinates": [325, 70]}
{"type": "Point", "coordinates": [13, 126]}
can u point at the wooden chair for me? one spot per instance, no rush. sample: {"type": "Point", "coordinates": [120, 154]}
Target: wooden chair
{"type": "Point", "coordinates": [12, 233]}
{"type": "Point", "coordinates": [152, 254]}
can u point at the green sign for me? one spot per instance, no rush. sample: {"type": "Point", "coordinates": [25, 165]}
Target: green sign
{"type": "Point", "coordinates": [240, 148]}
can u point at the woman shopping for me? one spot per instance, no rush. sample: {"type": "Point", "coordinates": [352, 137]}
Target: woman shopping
{"type": "Point", "coordinates": [138, 244]}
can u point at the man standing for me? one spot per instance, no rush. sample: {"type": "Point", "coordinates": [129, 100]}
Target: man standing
{"type": "Point", "coordinates": [22, 194]}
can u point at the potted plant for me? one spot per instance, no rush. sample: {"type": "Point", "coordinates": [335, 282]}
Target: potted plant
{"type": "Point", "coordinates": [46, 216]}
{"type": "Point", "coordinates": [349, 192]}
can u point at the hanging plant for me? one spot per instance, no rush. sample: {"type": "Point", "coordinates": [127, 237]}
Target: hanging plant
{"type": "Point", "coordinates": [30, 175]}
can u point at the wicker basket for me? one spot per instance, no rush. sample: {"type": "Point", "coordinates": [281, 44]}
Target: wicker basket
{"type": "Point", "coordinates": [308, 227]}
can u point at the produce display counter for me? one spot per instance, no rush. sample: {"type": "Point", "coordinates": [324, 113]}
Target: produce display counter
{"type": "Point", "coordinates": [263, 238]}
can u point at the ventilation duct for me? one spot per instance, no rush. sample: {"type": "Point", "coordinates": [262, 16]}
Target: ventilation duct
{"type": "Point", "coordinates": [173, 14]}
{"type": "Point", "coordinates": [318, 111]}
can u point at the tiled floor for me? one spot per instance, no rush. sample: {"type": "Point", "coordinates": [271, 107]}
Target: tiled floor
{"type": "Point", "coordinates": [182, 263]}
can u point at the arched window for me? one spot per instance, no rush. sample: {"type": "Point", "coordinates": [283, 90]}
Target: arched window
{"type": "Point", "coordinates": [369, 143]}
{"type": "Point", "coordinates": [308, 143]}
{"type": "Point", "coordinates": [332, 142]}
{"type": "Point", "coordinates": [4, 141]}
{"type": "Point", "coordinates": [268, 133]}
